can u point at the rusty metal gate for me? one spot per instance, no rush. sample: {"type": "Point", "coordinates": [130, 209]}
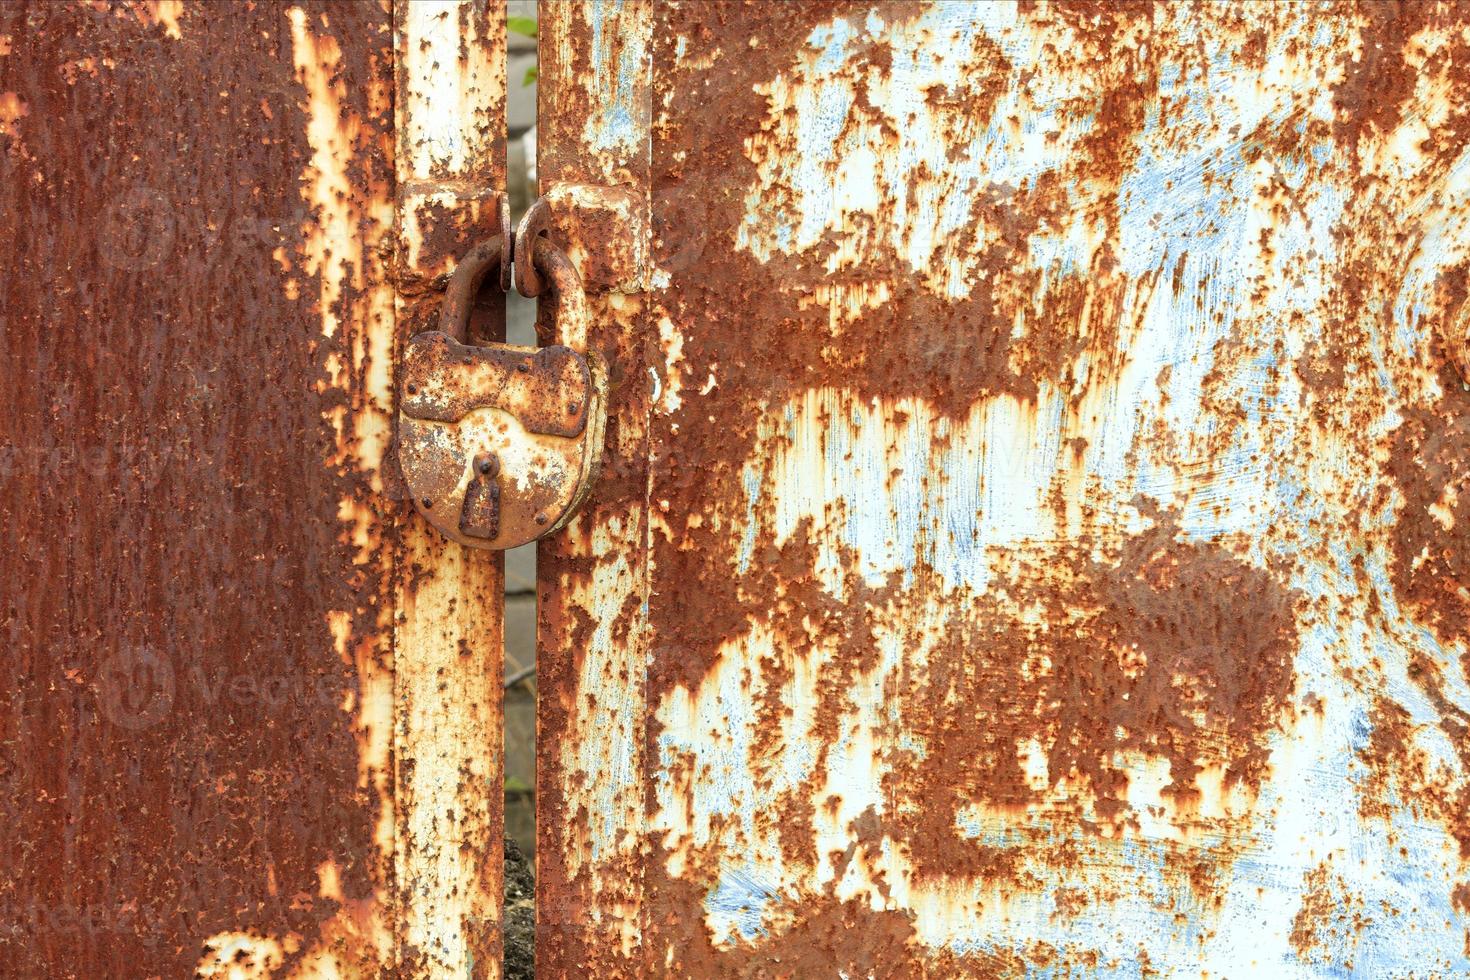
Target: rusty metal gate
{"type": "Point", "coordinates": [1031, 541]}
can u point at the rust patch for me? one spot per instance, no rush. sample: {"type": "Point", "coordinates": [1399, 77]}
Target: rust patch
{"type": "Point", "coordinates": [191, 658]}
{"type": "Point", "coordinates": [847, 938]}
{"type": "Point", "coordinates": [606, 230]}
{"type": "Point", "coordinates": [1401, 773]}
{"type": "Point", "coordinates": [548, 390]}
{"type": "Point", "coordinates": [821, 934]}
{"type": "Point", "coordinates": [952, 352]}
{"type": "Point", "coordinates": [1325, 929]}
{"type": "Point", "coordinates": [1170, 649]}
{"type": "Point", "coordinates": [1429, 462]}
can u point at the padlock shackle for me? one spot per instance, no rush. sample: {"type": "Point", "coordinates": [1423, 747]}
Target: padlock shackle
{"type": "Point", "coordinates": [464, 286]}
{"type": "Point", "coordinates": [551, 263]}
{"type": "Point", "coordinates": [469, 409]}
{"type": "Point", "coordinates": [566, 286]}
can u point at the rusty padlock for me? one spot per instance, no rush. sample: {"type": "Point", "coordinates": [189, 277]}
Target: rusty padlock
{"type": "Point", "coordinates": [500, 445]}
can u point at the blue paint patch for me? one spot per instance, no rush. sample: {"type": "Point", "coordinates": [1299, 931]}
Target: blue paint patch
{"type": "Point", "coordinates": [1360, 730]}
{"type": "Point", "coordinates": [832, 39]}
{"type": "Point", "coordinates": [620, 119]}
{"type": "Point", "coordinates": [751, 482]}
{"type": "Point", "coordinates": [741, 899]}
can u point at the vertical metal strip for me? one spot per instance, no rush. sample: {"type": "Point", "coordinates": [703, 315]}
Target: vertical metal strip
{"type": "Point", "coordinates": [448, 656]}
{"type": "Point", "coordinates": [593, 127]}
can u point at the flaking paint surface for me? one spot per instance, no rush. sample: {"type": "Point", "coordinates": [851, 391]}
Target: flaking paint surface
{"type": "Point", "coordinates": [448, 630]}
{"type": "Point", "coordinates": [197, 329]}
{"type": "Point", "coordinates": [1056, 496]}
{"type": "Point", "coordinates": [593, 128]}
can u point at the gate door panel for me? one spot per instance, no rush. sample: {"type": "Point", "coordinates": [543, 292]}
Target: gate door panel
{"type": "Point", "coordinates": [211, 766]}
{"type": "Point", "coordinates": [1039, 538]}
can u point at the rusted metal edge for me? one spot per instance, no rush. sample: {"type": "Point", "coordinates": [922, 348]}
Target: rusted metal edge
{"type": "Point", "coordinates": [594, 130]}
{"type": "Point", "coordinates": [448, 663]}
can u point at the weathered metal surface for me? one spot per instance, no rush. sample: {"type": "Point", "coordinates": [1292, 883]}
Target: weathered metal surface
{"type": "Point", "coordinates": [1056, 501]}
{"type": "Point", "coordinates": [195, 342]}
{"type": "Point", "coordinates": [498, 444]}
{"type": "Point", "coordinates": [212, 767]}
{"type": "Point", "coordinates": [593, 116]}
{"type": "Point", "coordinates": [1456, 339]}
{"type": "Point", "coordinates": [546, 389]}
{"type": "Point", "coordinates": [448, 650]}
{"type": "Point", "coordinates": [608, 232]}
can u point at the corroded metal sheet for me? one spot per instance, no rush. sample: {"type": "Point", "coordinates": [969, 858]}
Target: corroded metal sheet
{"type": "Point", "coordinates": [211, 767]}
{"type": "Point", "coordinates": [198, 564]}
{"type": "Point", "coordinates": [1056, 506]}
{"type": "Point", "coordinates": [593, 122]}
{"type": "Point", "coordinates": [448, 636]}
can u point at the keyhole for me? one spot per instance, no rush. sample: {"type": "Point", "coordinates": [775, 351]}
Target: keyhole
{"type": "Point", "coordinates": [481, 515]}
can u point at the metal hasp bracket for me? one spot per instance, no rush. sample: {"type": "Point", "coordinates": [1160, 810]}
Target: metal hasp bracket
{"type": "Point", "coordinates": [500, 445]}
{"type": "Point", "coordinates": [605, 231]}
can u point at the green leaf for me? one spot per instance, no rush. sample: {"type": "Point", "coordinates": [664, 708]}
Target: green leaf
{"type": "Point", "coordinates": [530, 78]}
{"type": "Point", "coordinates": [524, 26]}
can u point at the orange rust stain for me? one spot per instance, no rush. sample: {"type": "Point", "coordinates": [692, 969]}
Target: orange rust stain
{"type": "Point", "coordinates": [1398, 769]}
{"type": "Point", "coordinates": [12, 108]}
{"type": "Point", "coordinates": [1430, 464]}
{"type": "Point", "coordinates": [825, 936]}
{"type": "Point", "coordinates": [1172, 649]}
{"type": "Point", "coordinates": [1330, 918]}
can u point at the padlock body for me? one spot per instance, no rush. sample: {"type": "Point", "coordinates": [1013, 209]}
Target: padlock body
{"type": "Point", "coordinates": [538, 414]}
